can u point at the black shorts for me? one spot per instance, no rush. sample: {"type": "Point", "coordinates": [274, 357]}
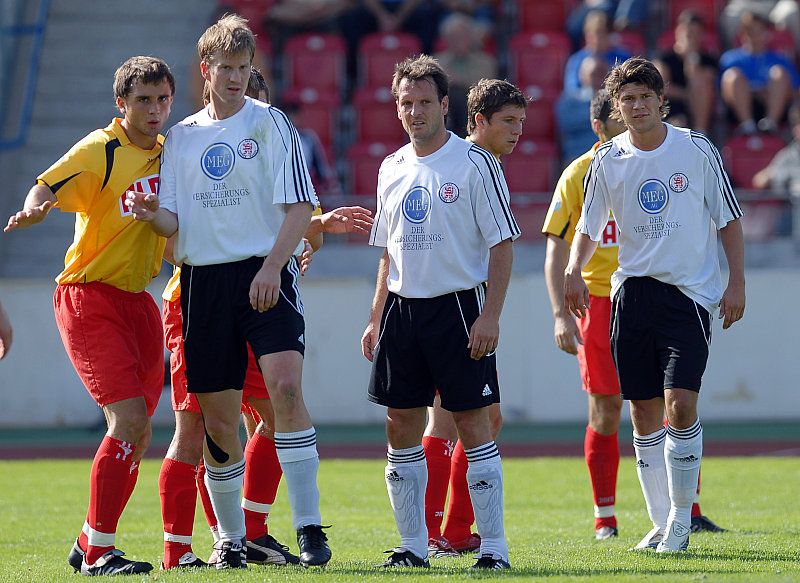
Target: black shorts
{"type": "Point", "coordinates": [422, 348]}
{"type": "Point", "coordinates": [219, 322]}
{"type": "Point", "coordinates": [659, 338]}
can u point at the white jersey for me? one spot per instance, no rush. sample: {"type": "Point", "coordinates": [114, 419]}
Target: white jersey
{"type": "Point", "coordinates": [438, 216]}
{"type": "Point", "coordinates": [667, 203]}
{"type": "Point", "coordinates": [229, 182]}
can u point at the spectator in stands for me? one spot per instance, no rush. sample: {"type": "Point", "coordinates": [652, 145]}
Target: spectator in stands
{"type": "Point", "coordinates": [783, 172]}
{"type": "Point", "coordinates": [418, 17]}
{"type": "Point", "coordinates": [289, 17]}
{"type": "Point", "coordinates": [575, 131]}
{"type": "Point", "coordinates": [689, 74]}
{"type": "Point", "coordinates": [596, 33]}
{"type": "Point", "coordinates": [782, 14]}
{"type": "Point", "coordinates": [322, 174]}
{"type": "Point", "coordinates": [624, 14]}
{"type": "Point", "coordinates": [465, 64]}
{"type": "Point", "coordinates": [756, 82]}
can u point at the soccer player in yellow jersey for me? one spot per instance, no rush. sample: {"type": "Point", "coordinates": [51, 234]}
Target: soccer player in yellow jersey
{"type": "Point", "coordinates": [496, 111]}
{"type": "Point", "coordinates": [588, 337]}
{"type": "Point", "coordinates": [110, 326]}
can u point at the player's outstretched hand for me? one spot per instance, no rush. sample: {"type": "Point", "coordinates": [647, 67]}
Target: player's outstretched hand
{"type": "Point", "coordinates": [25, 218]}
{"type": "Point", "coordinates": [732, 305]}
{"type": "Point", "coordinates": [567, 334]}
{"type": "Point", "coordinates": [306, 256]}
{"type": "Point", "coordinates": [143, 206]}
{"type": "Point", "coordinates": [347, 219]}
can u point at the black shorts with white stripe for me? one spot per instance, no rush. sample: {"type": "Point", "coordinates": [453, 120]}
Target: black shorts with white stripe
{"type": "Point", "coordinates": [219, 322]}
{"type": "Point", "coordinates": [659, 338]}
{"type": "Point", "coordinates": [422, 349]}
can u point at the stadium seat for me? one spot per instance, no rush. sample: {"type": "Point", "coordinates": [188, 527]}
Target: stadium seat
{"type": "Point", "coordinates": [315, 60]}
{"type": "Point", "coordinates": [631, 40]}
{"type": "Point", "coordinates": [531, 167]}
{"type": "Point", "coordinates": [376, 116]}
{"type": "Point", "coordinates": [530, 215]}
{"type": "Point", "coordinates": [254, 11]}
{"type": "Point", "coordinates": [317, 110]}
{"type": "Point", "coordinates": [538, 58]}
{"type": "Point", "coordinates": [540, 119]}
{"type": "Point", "coordinates": [745, 155]}
{"type": "Point", "coordinates": [543, 14]}
{"type": "Point", "coordinates": [379, 52]}
{"type": "Point", "coordinates": [365, 159]}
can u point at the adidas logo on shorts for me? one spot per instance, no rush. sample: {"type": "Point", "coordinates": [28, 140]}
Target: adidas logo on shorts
{"type": "Point", "coordinates": [486, 391]}
{"type": "Point", "coordinates": [302, 339]}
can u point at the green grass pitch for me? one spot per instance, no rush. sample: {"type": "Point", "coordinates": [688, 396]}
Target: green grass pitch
{"type": "Point", "coordinates": [548, 514]}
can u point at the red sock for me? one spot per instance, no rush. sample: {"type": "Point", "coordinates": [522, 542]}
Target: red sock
{"type": "Point", "coordinates": [438, 453]}
{"type": "Point", "coordinates": [176, 484]}
{"type": "Point", "coordinates": [108, 486]}
{"type": "Point", "coordinates": [261, 478]}
{"type": "Point", "coordinates": [205, 499]}
{"type": "Point", "coordinates": [459, 510]}
{"type": "Point", "coordinates": [696, 505]}
{"type": "Point", "coordinates": [602, 458]}
{"type": "Point", "coordinates": [133, 476]}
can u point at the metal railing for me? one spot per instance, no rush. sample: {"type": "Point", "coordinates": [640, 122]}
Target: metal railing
{"type": "Point", "coordinates": [22, 26]}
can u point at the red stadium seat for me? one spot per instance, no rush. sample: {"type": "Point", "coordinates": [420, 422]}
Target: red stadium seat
{"type": "Point", "coordinates": [531, 167]}
{"type": "Point", "coordinates": [543, 14]}
{"type": "Point", "coordinates": [254, 11]}
{"type": "Point", "coordinates": [365, 159]}
{"type": "Point", "coordinates": [538, 58]}
{"type": "Point", "coordinates": [530, 217]}
{"type": "Point", "coordinates": [376, 116]}
{"type": "Point", "coordinates": [379, 52]}
{"type": "Point", "coordinates": [746, 155]}
{"type": "Point", "coordinates": [631, 40]}
{"type": "Point", "coordinates": [315, 60]}
{"type": "Point", "coordinates": [540, 119]}
{"type": "Point", "coordinates": [316, 110]}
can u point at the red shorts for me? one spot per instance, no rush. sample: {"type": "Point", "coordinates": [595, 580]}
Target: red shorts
{"type": "Point", "coordinates": [182, 399]}
{"type": "Point", "coordinates": [598, 373]}
{"type": "Point", "coordinates": [113, 338]}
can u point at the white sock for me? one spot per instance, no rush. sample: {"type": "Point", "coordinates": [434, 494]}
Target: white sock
{"type": "Point", "coordinates": [682, 453]}
{"type": "Point", "coordinates": [485, 482]}
{"type": "Point", "coordinates": [652, 474]}
{"type": "Point", "coordinates": [297, 454]}
{"type": "Point", "coordinates": [406, 480]}
{"type": "Point", "coordinates": [225, 490]}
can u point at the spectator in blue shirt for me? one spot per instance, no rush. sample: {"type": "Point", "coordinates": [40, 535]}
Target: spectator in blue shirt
{"type": "Point", "coordinates": [596, 34]}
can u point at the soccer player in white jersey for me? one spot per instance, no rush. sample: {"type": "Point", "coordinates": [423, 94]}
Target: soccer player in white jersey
{"type": "Point", "coordinates": [670, 195]}
{"type": "Point", "coordinates": [233, 175]}
{"type": "Point", "coordinates": [444, 219]}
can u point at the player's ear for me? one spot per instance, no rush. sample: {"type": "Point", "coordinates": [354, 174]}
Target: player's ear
{"type": "Point", "coordinates": [445, 104]}
{"type": "Point", "coordinates": [121, 104]}
{"type": "Point", "coordinates": [204, 68]}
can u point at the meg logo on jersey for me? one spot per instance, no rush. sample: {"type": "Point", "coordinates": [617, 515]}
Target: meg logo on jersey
{"type": "Point", "coordinates": [653, 196]}
{"type": "Point", "coordinates": [417, 204]}
{"type": "Point", "coordinates": [217, 161]}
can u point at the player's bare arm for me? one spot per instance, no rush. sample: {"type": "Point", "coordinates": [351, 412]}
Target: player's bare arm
{"type": "Point", "coordinates": [576, 294]}
{"type": "Point", "coordinates": [370, 337]}
{"type": "Point", "coordinates": [266, 286]}
{"type": "Point", "coordinates": [346, 219]}
{"type": "Point", "coordinates": [38, 202]}
{"type": "Point", "coordinates": [6, 332]}
{"type": "Point", "coordinates": [565, 331]}
{"type": "Point", "coordinates": [485, 332]}
{"type": "Point", "coordinates": [731, 308]}
{"type": "Point", "coordinates": [146, 208]}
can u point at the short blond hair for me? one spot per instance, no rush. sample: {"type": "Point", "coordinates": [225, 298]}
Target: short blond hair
{"type": "Point", "coordinates": [230, 34]}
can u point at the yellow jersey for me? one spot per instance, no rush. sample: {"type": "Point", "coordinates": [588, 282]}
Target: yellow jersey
{"type": "Point", "coordinates": [563, 215]}
{"type": "Point", "coordinates": [91, 180]}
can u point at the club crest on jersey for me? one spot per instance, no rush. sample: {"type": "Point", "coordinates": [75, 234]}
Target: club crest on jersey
{"type": "Point", "coordinates": [217, 161]}
{"type": "Point", "coordinates": [448, 192]}
{"type": "Point", "coordinates": [248, 148]}
{"type": "Point", "coordinates": [653, 196]}
{"type": "Point", "coordinates": [678, 182]}
{"type": "Point", "coordinates": [417, 204]}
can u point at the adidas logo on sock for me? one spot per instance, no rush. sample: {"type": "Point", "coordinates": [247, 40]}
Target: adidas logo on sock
{"type": "Point", "coordinates": [394, 477]}
{"type": "Point", "coordinates": [482, 485]}
{"type": "Point", "coordinates": [689, 458]}
{"type": "Point", "coordinates": [641, 464]}
{"type": "Point", "coordinates": [486, 391]}
{"type": "Point", "coordinates": [679, 529]}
